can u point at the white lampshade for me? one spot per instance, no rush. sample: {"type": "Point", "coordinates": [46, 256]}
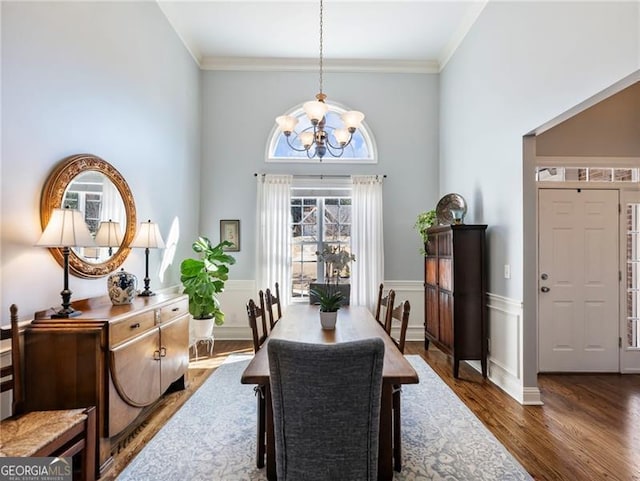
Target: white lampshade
{"type": "Point", "coordinates": [109, 234]}
{"type": "Point", "coordinates": [315, 110]}
{"type": "Point", "coordinates": [286, 123]}
{"type": "Point", "coordinates": [352, 119]}
{"type": "Point", "coordinates": [66, 228]}
{"type": "Point", "coordinates": [306, 139]}
{"type": "Point", "coordinates": [342, 136]}
{"type": "Point", "coordinates": [148, 236]}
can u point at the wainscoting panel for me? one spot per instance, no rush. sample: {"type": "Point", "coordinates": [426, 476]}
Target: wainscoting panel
{"type": "Point", "coordinates": [505, 330]}
{"type": "Point", "coordinates": [233, 302]}
{"type": "Point", "coordinates": [505, 349]}
{"type": "Point", "coordinates": [236, 294]}
{"type": "Point", "coordinates": [412, 291]}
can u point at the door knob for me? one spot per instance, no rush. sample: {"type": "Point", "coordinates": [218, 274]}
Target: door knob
{"type": "Point", "coordinates": [544, 276]}
{"type": "Point", "coordinates": [545, 289]}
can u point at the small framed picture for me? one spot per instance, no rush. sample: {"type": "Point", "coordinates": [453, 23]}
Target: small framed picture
{"type": "Point", "coordinates": [230, 231]}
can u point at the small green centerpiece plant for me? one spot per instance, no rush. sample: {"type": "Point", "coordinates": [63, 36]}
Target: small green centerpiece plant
{"type": "Point", "coordinates": [205, 277]}
{"type": "Point", "coordinates": [424, 221]}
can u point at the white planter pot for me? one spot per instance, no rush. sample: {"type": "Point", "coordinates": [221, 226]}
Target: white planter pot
{"type": "Point", "coordinates": [202, 328]}
{"type": "Point", "coordinates": [328, 319]}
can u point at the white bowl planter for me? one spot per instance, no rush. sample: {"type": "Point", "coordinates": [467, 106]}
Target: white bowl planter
{"type": "Point", "coordinates": [201, 331]}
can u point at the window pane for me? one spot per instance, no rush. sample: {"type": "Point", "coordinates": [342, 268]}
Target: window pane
{"type": "Point", "coordinates": [623, 175]}
{"type": "Point", "coordinates": [632, 338]}
{"type": "Point", "coordinates": [587, 174]}
{"type": "Point", "coordinates": [308, 239]}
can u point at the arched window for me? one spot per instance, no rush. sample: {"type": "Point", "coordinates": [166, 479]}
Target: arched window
{"type": "Point", "coordinates": [361, 150]}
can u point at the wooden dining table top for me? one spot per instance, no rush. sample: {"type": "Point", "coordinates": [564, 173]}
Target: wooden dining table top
{"type": "Point", "coordinates": [301, 322]}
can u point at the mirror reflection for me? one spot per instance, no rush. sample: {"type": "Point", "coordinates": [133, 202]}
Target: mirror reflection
{"type": "Point", "coordinates": [93, 194]}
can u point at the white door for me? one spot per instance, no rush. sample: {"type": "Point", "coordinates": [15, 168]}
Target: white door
{"type": "Point", "coordinates": [630, 290]}
{"type": "Point", "coordinates": [578, 285]}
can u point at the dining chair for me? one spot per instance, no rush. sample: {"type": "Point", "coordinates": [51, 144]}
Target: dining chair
{"type": "Point", "coordinates": [386, 302]}
{"type": "Point", "coordinates": [60, 433]}
{"type": "Point", "coordinates": [399, 313]}
{"type": "Point", "coordinates": [272, 301]}
{"type": "Point", "coordinates": [258, 324]}
{"type": "Point", "coordinates": [326, 409]}
{"type": "Point", "coordinates": [257, 321]}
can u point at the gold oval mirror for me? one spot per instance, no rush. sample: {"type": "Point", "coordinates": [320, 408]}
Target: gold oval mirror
{"type": "Point", "coordinates": [99, 191]}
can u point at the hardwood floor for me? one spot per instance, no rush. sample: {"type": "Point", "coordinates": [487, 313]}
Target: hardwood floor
{"type": "Point", "coordinates": [587, 430]}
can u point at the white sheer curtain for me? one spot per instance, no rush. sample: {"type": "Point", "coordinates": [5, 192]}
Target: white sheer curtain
{"type": "Point", "coordinates": [273, 239]}
{"type": "Point", "coordinates": [112, 207]}
{"type": "Point", "coordinates": [367, 242]}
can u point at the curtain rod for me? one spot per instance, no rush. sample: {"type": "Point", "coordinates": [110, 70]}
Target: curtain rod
{"type": "Point", "coordinates": [323, 176]}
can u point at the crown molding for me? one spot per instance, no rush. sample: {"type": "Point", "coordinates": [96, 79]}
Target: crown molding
{"type": "Point", "coordinates": [461, 32]}
{"type": "Point", "coordinates": [311, 65]}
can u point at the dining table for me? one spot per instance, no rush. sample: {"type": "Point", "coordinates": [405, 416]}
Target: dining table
{"type": "Point", "coordinates": [301, 323]}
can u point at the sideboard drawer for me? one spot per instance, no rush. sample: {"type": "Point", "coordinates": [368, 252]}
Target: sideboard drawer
{"type": "Point", "coordinates": [131, 327]}
{"type": "Point", "coordinates": [173, 311]}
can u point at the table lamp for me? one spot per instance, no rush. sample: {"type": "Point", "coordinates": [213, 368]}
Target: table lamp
{"type": "Point", "coordinates": [149, 237]}
{"type": "Point", "coordinates": [109, 235]}
{"type": "Point", "coordinates": [66, 229]}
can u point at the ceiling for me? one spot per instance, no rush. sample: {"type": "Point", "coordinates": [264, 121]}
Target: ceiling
{"type": "Point", "coordinates": [358, 34]}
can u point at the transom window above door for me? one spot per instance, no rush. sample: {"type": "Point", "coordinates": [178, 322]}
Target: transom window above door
{"type": "Point", "coordinates": [361, 150]}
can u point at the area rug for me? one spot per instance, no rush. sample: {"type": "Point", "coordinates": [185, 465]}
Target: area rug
{"type": "Point", "coordinates": [212, 437]}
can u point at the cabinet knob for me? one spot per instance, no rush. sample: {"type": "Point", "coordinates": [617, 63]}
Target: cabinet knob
{"type": "Point", "coordinates": [156, 355]}
{"type": "Point", "coordinates": [163, 352]}
{"type": "Point", "coordinates": [135, 326]}
{"type": "Point", "coordinates": [175, 309]}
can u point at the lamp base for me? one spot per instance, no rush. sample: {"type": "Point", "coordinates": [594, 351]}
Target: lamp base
{"type": "Point", "coordinates": [147, 293]}
{"type": "Point", "coordinates": [65, 313]}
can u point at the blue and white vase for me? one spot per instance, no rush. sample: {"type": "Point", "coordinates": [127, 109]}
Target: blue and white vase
{"type": "Point", "coordinates": [122, 287]}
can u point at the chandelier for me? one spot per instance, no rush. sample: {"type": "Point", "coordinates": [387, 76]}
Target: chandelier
{"type": "Point", "coordinates": [317, 142]}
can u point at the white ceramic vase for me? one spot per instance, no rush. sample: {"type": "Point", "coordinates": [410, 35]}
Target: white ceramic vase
{"type": "Point", "coordinates": [328, 319]}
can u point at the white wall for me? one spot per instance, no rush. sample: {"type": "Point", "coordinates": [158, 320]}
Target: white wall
{"type": "Point", "coordinates": [522, 64]}
{"type": "Point", "coordinates": [111, 79]}
{"type": "Point", "coordinates": [401, 111]}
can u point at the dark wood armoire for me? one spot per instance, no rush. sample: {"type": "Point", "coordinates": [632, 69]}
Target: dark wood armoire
{"type": "Point", "coordinates": [454, 292]}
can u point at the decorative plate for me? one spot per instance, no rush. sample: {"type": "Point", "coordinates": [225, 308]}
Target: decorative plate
{"type": "Point", "coordinates": [448, 202]}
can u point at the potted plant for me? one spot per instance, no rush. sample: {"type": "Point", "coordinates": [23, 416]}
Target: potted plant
{"type": "Point", "coordinates": [424, 221]}
{"type": "Point", "coordinates": [330, 297]}
{"type": "Point", "coordinates": [202, 279]}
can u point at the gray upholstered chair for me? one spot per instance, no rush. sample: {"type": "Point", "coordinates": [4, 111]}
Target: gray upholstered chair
{"type": "Point", "coordinates": [326, 409]}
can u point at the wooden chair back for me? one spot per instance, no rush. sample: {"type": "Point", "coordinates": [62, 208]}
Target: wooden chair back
{"type": "Point", "coordinates": [386, 302]}
{"type": "Point", "coordinates": [401, 314]}
{"type": "Point", "coordinates": [58, 433]}
{"type": "Point", "coordinates": [257, 321]}
{"type": "Point", "coordinates": [272, 301]}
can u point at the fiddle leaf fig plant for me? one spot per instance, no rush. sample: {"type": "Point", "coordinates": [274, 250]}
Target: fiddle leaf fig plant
{"type": "Point", "coordinates": [205, 277]}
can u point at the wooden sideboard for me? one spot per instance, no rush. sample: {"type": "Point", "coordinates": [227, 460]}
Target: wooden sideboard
{"type": "Point", "coordinates": [121, 359]}
{"type": "Point", "coordinates": [455, 283]}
